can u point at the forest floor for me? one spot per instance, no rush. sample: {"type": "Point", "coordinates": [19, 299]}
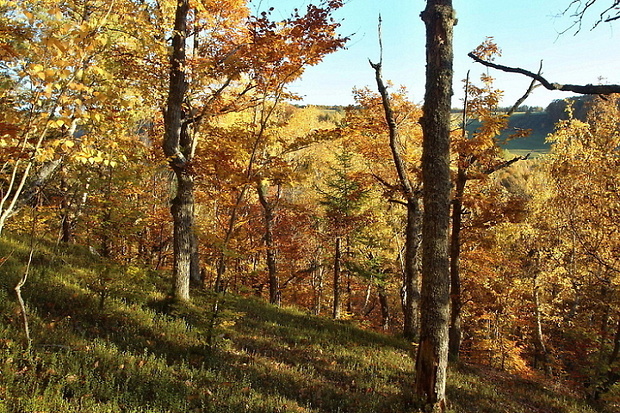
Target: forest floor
{"type": "Point", "coordinates": [105, 339]}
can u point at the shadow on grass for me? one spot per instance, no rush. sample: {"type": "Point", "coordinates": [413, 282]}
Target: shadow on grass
{"type": "Point", "coordinates": [272, 357]}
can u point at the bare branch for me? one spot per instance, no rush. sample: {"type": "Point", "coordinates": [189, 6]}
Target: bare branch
{"type": "Point", "coordinates": [582, 89]}
{"type": "Point", "coordinates": [527, 93]}
{"type": "Point", "coordinates": [506, 164]}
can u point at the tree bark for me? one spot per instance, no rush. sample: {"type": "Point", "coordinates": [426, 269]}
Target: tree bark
{"type": "Point", "coordinates": [269, 216]}
{"type": "Point", "coordinates": [177, 147]}
{"type": "Point", "coordinates": [455, 275]}
{"type": "Point", "coordinates": [337, 260]}
{"type": "Point", "coordinates": [183, 215]}
{"type": "Point", "coordinates": [385, 307]}
{"type": "Point", "coordinates": [411, 322]}
{"type": "Point", "coordinates": [432, 358]}
{"type": "Point", "coordinates": [318, 288]}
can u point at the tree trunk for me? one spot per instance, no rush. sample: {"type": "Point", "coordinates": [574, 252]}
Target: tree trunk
{"type": "Point", "coordinates": [337, 259]}
{"type": "Point", "coordinates": [268, 210]}
{"type": "Point", "coordinates": [177, 147]}
{"type": "Point", "coordinates": [385, 307]}
{"type": "Point", "coordinates": [411, 324]}
{"type": "Point", "coordinates": [411, 290]}
{"type": "Point", "coordinates": [318, 288]}
{"type": "Point", "coordinates": [455, 275]}
{"type": "Point", "coordinates": [220, 282]}
{"type": "Point", "coordinates": [183, 216]}
{"type": "Point", "coordinates": [540, 339]}
{"type": "Point", "coordinates": [432, 359]}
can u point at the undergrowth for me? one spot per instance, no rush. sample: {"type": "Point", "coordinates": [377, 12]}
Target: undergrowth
{"type": "Point", "coordinates": [107, 339]}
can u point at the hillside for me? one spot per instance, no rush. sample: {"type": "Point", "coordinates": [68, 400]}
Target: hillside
{"type": "Point", "coordinates": [540, 124]}
{"type": "Point", "coordinates": [105, 339]}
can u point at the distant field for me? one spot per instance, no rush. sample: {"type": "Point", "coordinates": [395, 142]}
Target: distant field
{"type": "Point", "coordinates": [535, 143]}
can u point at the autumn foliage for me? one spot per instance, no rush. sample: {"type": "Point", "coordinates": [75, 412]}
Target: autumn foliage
{"type": "Point", "coordinates": [302, 205]}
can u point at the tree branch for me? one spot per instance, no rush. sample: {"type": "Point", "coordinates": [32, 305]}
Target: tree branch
{"type": "Point", "coordinates": [582, 89]}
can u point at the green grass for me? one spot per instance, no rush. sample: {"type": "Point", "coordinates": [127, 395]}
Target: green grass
{"type": "Point", "coordinates": [535, 143]}
{"type": "Point", "coordinates": [137, 352]}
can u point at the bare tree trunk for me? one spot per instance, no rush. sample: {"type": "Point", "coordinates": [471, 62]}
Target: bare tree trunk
{"type": "Point", "coordinates": [318, 288]}
{"type": "Point", "coordinates": [411, 324]}
{"type": "Point", "coordinates": [337, 260]}
{"type": "Point", "coordinates": [385, 307]}
{"type": "Point", "coordinates": [411, 288]}
{"type": "Point", "coordinates": [177, 146]}
{"type": "Point", "coordinates": [183, 215]}
{"type": "Point", "coordinates": [220, 281]}
{"type": "Point", "coordinates": [268, 210]}
{"type": "Point", "coordinates": [432, 359]}
{"type": "Point", "coordinates": [540, 339]}
{"type": "Point", "coordinates": [455, 276]}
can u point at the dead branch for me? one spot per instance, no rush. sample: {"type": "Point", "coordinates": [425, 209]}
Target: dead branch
{"type": "Point", "coordinates": [582, 89]}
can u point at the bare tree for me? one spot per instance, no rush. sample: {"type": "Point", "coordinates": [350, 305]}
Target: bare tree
{"type": "Point", "coordinates": [414, 212]}
{"type": "Point", "coordinates": [432, 358]}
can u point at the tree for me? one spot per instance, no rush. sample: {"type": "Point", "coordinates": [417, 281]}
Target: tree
{"type": "Point", "coordinates": [411, 289]}
{"type": "Point", "coordinates": [432, 358]}
{"type": "Point", "coordinates": [343, 198]}
{"type": "Point", "coordinates": [254, 60]}
{"type": "Point", "coordinates": [478, 156]}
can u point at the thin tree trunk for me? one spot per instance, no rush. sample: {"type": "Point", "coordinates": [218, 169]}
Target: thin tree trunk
{"type": "Point", "coordinates": [318, 289]}
{"type": "Point", "coordinates": [268, 213]}
{"type": "Point", "coordinates": [411, 289]}
{"type": "Point", "coordinates": [220, 281]}
{"type": "Point", "coordinates": [65, 211]}
{"type": "Point", "coordinates": [432, 358]}
{"type": "Point", "coordinates": [337, 259]}
{"type": "Point", "coordinates": [610, 377]}
{"type": "Point", "coordinates": [455, 276]}
{"type": "Point", "coordinates": [540, 339]}
{"type": "Point", "coordinates": [385, 307]}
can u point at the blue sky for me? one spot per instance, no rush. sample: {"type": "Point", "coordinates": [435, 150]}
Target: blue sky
{"type": "Point", "coordinates": [527, 31]}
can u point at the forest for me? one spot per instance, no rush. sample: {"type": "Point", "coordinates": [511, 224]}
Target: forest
{"type": "Point", "coordinates": [179, 234]}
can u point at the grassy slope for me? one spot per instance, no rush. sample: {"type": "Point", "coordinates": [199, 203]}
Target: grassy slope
{"type": "Point", "coordinates": [540, 125]}
{"type": "Point", "coordinates": [136, 353]}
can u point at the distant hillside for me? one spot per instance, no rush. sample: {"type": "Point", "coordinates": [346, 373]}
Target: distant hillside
{"type": "Point", "coordinates": [541, 125]}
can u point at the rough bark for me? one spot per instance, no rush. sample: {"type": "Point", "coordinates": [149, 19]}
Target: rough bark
{"type": "Point", "coordinates": [432, 359]}
{"type": "Point", "coordinates": [455, 276]}
{"type": "Point", "coordinates": [385, 307]}
{"type": "Point", "coordinates": [183, 215]}
{"type": "Point", "coordinates": [411, 319]}
{"type": "Point", "coordinates": [177, 147]}
{"type": "Point", "coordinates": [337, 259]}
{"type": "Point", "coordinates": [272, 268]}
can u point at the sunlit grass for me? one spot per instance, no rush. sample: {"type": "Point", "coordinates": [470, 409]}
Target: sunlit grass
{"type": "Point", "coordinates": [138, 352]}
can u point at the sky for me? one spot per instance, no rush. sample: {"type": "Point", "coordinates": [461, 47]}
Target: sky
{"type": "Point", "coordinates": [527, 31]}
